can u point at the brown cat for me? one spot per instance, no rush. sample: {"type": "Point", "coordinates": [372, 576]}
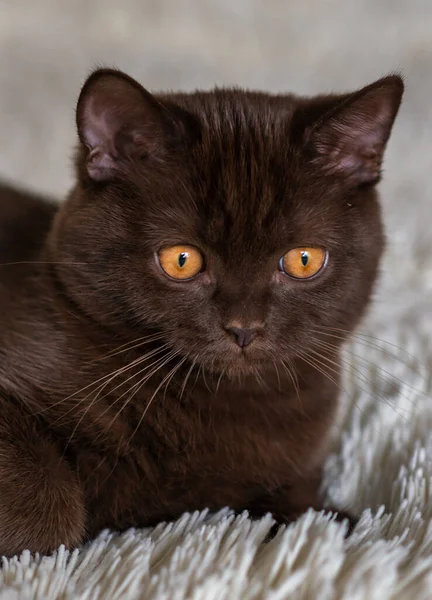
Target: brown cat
{"type": "Point", "coordinates": [159, 333]}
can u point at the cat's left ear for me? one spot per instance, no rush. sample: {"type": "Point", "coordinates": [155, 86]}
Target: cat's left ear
{"type": "Point", "coordinates": [120, 122]}
{"type": "Point", "coordinates": [349, 140]}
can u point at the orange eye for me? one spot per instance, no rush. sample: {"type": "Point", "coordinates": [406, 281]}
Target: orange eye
{"type": "Point", "coordinates": [181, 262]}
{"type": "Point", "coordinates": [303, 263]}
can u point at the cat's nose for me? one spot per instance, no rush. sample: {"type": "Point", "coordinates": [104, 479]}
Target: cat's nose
{"type": "Point", "coordinates": [243, 336]}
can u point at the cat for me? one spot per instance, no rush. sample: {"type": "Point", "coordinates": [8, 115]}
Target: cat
{"type": "Point", "coordinates": [160, 331]}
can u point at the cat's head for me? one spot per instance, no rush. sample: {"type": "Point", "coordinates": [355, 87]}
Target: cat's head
{"type": "Point", "coordinates": [239, 224]}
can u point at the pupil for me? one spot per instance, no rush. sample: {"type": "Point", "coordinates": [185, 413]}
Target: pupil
{"type": "Point", "coordinates": [182, 259]}
{"type": "Point", "coordinates": [304, 258]}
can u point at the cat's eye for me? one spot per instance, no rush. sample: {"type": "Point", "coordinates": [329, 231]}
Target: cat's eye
{"type": "Point", "coordinates": [181, 262]}
{"type": "Point", "coordinates": [303, 263]}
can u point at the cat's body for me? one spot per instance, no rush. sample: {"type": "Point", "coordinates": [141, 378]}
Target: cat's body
{"type": "Point", "coordinates": [91, 434]}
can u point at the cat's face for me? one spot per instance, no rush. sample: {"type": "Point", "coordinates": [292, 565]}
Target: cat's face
{"type": "Point", "coordinates": [240, 225]}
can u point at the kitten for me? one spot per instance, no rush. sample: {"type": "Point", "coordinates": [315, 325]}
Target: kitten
{"type": "Point", "coordinates": [162, 333]}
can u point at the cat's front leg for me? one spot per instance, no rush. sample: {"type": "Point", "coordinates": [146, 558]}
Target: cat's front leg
{"type": "Point", "coordinates": [41, 503]}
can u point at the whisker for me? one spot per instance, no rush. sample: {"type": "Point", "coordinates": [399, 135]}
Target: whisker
{"type": "Point", "coordinates": [94, 401]}
{"type": "Point", "coordinates": [183, 387]}
{"type": "Point", "coordinates": [290, 370]}
{"type": "Point", "coordinates": [167, 379]}
{"type": "Point", "coordinates": [260, 380]}
{"type": "Point", "coordinates": [308, 360]}
{"type": "Point", "coordinates": [122, 383]}
{"type": "Point", "coordinates": [41, 262]}
{"type": "Point", "coordinates": [138, 386]}
{"type": "Point", "coordinates": [129, 346]}
{"type": "Point", "coordinates": [170, 379]}
{"type": "Point", "coordinates": [365, 338]}
{"type": "Point", "coordinates": [277, 374]}
{"type": "Point", "coordinates": [319, 367]}
{"type": "Point", "coordinates": [51, 406]}
{"type": "Point", "coordinates": [219, 381]}
{"type": "Point", "coordinates": [391, 377]}
{"type": "Point", "coordinates": [364, 378]}
{"type": "Point", "coordinates": [197, 375]}
{"type": "Point", "coordinates": [106, 380]}
{"type": "Point", "coordinates": [205, 380]}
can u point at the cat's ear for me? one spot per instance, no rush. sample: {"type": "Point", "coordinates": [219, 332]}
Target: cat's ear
{"type": "Point", "coordinates": [350, 138]}
{"type": "Point", "coordinates": [119, 121]}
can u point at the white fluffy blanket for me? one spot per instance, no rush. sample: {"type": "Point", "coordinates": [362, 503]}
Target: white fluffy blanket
{"type": "Point", "coordinates": [381, 465]}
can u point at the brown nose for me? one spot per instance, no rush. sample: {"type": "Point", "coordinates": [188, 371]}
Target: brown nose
{"type": "Point", "coordinates": [243, 336]}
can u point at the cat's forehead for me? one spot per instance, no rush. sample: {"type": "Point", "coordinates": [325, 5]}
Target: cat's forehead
{"type": "Point", "coordinates": [244, 159]}
{"type": "Point", "coordinates": [237, 122]}
{"type": "Point", "coordinates": [248, 169]}
{"type": "Point", "coordinates": [245, 175]}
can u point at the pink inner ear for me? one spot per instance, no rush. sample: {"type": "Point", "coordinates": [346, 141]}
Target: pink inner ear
{"type": "Point", "coordinates": [117, 120]}
{"type": "Point", "coordinates": [99, 137]}
{"type": "Point", "coordinates": [95, 129]}
{"type": "Point", "coordinates": [353, 139]}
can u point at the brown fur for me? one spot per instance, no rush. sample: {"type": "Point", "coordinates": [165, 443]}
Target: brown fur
{"type": "Point", "coordinates": [244, 177]}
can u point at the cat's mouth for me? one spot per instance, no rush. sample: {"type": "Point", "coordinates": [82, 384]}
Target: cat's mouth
{"type": "Point", "coordinates": [238, 360]}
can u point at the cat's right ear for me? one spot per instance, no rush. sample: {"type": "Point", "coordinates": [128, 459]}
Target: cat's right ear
{"type": "Point", "coordinates": [349, 133]}
{"type": "Point", "coordinates": [118, 121]}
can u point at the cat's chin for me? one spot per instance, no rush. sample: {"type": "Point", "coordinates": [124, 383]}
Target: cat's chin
{"type": "Point", "coordinates": [238, 367]}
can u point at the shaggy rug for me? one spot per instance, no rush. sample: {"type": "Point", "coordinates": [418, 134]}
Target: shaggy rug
{"type": "Point", "coordinates": [381, 465]}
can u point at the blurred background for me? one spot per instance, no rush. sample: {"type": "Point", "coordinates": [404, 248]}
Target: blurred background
{"type": "Point", "coordinates": [47, 48]}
